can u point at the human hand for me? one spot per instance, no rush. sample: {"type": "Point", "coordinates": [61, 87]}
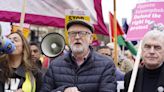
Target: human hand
{"type": "Point", "coordinates": [71, 89]}
{"type": "Point", "coordinates": [19, 90]}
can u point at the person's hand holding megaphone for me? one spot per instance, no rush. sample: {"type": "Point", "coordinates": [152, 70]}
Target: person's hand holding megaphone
{"type": "Point", "coordinates": [6, 45]}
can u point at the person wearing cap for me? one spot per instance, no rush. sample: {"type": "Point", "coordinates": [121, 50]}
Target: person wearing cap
{"type": "Point", "coordinates": [82, 69]}
{"type": "Point", "coordinates": [150, 77]}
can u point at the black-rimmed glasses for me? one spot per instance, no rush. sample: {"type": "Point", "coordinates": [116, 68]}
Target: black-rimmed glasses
{"type": "Point", "coordinates": [80, 33]}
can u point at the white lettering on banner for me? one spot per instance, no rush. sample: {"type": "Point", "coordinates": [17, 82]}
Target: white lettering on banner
{"type": "Point", "coordinates": [139, 27]}
{"type": "Point", "coordinates": [12, 85]}
{"type": "Point", "coordinates": [155, 15]}
{"type": "Point", "coordinates": [142, 6]}
{"type": "Point", "coordinates": [137, 22]}
{"type": "Point", "coordinates": [145, 17]}
{"type": "Point", "coordinates": [150, 10]}
{"type": "Point", "coordinates": [9, 91]}
{"type": "Point", "coordinates": [142, 16]}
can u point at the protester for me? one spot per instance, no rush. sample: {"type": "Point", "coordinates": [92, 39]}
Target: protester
{"type": "Point", "coordinates": [82, 69]}
{"type": "Point", "coordinates": [150, 76]}
{"type": "Point", "coordinates": [106, 51]}
{"type": "Point", "coordinates": [36, 54]}
{"type": "Point", "coordinates": [17, 71]}
{"type": "Point", "coordinates": [127, 62]}
{"type": "Point", "coordinates": [124, 64]}
{"type": "Point", "coordinates": [111, 47]}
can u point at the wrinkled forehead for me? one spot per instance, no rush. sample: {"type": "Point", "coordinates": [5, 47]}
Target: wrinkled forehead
{"type": "Point", "coordinates": [154, 40]}
{"type": "Point", "coordinates": [156, 36]}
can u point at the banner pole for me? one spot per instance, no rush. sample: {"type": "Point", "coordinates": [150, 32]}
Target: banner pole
{"type": "Point", "coordinates": [135, 69]}
{"type": "Point", "coordinates": [22, 15]}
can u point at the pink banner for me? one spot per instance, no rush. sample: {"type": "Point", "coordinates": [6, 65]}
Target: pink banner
{"type": "Point", "coordinates": [144, 17]}
{"type": "Point", "coordinates": [51, 12]}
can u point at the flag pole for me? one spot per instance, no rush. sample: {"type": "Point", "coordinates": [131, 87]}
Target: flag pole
{"type": "Point", "coordinates": [22, 15]}
{"type": "Point", "coordinates": [115, 36]}
{"type": "Point", "coordinates": [110, 29]}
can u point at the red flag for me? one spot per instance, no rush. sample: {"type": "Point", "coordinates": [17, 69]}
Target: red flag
{"type": "Point", "coordinates": [120, 39]}
{"type": "Point", "coordinates": [119, 30]}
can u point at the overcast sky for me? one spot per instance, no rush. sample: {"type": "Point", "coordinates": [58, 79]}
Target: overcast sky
{"type": "Point", "coordinates": [123, 9]}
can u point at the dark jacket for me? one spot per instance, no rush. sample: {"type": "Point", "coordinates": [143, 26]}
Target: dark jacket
{"type": "Point", "coordinates": [96, 74]}
{"type": "Point", "coordinates": [119, 75]}
{"type": "Point", "coordinates": [20, 71]}
{"type": "Point", "coordinates": [139, 80]}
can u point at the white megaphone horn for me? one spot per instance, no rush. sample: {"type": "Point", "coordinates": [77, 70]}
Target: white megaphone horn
{"type": "Point", "coordinates": [52, 44]}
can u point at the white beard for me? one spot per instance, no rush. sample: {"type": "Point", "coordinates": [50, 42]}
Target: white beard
{"type": "Point", "coordinates": [77, 50]}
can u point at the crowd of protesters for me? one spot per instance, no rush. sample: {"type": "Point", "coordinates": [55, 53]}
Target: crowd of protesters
{"type": "Point", "coordinates": [80, 68]}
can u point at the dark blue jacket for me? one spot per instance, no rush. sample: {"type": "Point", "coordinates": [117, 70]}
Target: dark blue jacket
{"type": "Point", "coordinates": [96, 74]}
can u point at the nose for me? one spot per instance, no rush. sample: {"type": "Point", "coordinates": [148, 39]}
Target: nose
{"type": "Point", "coordinates": [77, 36]}
{"type": "Point", "coordinates": [32, 53]}
{"type": "Point", "coordinates": [152, 50]}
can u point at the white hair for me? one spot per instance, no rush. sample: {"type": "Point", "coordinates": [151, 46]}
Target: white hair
{"type": "Point", "coordinates": [153, 34]}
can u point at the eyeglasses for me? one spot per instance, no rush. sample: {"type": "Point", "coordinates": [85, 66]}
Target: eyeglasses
{"type": "Point", "coordinates": [80, 33]}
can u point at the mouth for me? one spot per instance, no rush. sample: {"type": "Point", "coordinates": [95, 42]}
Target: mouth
{"type": "Point", "coordinates": [77, 43]}
{"type": "Point", "coordinates": [151, 58]}
{"type": "Point", "coordinates": [33, 58]}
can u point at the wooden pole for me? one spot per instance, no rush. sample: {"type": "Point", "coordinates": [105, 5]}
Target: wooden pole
{"type": "Point", "coordinates": [110, 29]}
{"type": "Point", "coordinates": [0, 30]}
{"type": "Point", "coordinates": [22, 15]}
{"type": "Point", "coordinates": [115, 37]}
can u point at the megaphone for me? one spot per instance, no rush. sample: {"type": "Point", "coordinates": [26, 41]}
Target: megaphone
{"type": "Point", "coordinates": [6, 45]}
{"type": "Point", "coordinates": [52, 44]}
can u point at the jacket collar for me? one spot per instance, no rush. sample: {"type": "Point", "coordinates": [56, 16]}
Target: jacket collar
{"type": "Point", "coordinates": [20, 71]}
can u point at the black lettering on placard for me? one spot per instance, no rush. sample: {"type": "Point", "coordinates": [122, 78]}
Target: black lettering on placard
{"type": "Point", "coordinates": [75, 17]}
